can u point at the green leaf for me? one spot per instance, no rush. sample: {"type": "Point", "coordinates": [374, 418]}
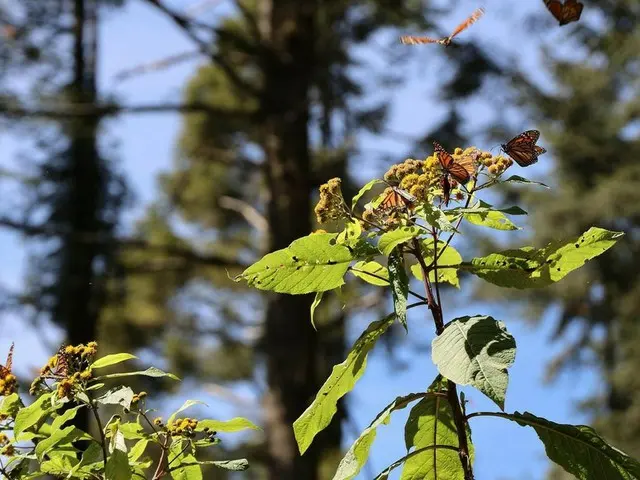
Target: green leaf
{"type": "Point", "coordinates": [485, 215]}
{"type": "Point", "coordinates": [371, 272]}
{"type": "Point", "coordinates": [118, 396]}
{"type": "Point", "coordinates": [118, 466]}
{"type": "Point", "coordinates": [431, 423]}
{"type": "Point", "coordinates": [448, 258]}
{"type": "Point", "coordinates": [519, 179]}
{"type": "Point", "coordinates": [314, 263]}
{"type": "Point", "coordinates": [434, 217]}
{"type": "Point", "coordinates": [131, 430]}
{"type": "Point", "coordinates": [234, 425]}
{"type": "Point", "coordinates": [234, 465]}
{"type": "Point", "coordinates": [351, 233]}
{"type": "Point", "coordinates": [314, 305]}
{"type": "Point", "coordinates": [149, 372]}
{"type": "Point", "coordinates": [112, 359]}
{"type": "Point", "coordinates": [528, 267]}
{"type": "Point", "coordinates": [578, 449]}
{"type": "Point", "coordinates": [10, 405]}
{"type": "Point", "coordinates": [61, 436]}
{"type": "Point", "coordinates": [65, 417]}
{"type": "Point", "coordinates": [31, 415]}
{"type": "Point", "coordinates": [357, 455]}
{"type": "Point", "coordinates": [390, 240]}
{"type": "Point", "coordinates": [185, 405]}
{"type": "Point", "coordinates": [138, 449]}
{"type": "Point", "coordinates": [364, 190]}
{"type": "Point", "coordinates": [184, 465]}
{"type": "Point", "coordinates": [399, 286]}
{"type": "Point", "coordinates": [476, 351]}
{"type": "Point", "coordinates": [92, 455]}
{"type": "Point", "coordinates": [342, 379]}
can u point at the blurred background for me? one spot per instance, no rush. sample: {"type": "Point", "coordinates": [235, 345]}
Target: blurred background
{"type": "Point", "coordinates": [150, 149]}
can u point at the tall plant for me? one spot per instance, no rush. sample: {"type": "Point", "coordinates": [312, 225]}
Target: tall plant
{"type": "Point", "coordinates": [409, 230]}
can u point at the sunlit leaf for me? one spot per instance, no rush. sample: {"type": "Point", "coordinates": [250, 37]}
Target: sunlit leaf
{"type": "Point", "coordinates": [357, 455]}
{"type": "Point", "coordinates": [528, 267]}
{"type": "Point", "coordinates": [112, 359]}
{"type": "Point", "coordinates": [31, 415]}
{"type": "Point", "coordinates": [519, 179]}
{"type": "Point", "coordinates": [364, 190]}
{"type": "Point", "coordinates": [578, 449]}
{"type": "Point", "coordinates": [234, 425]}
{"type": "Point", "coordinates": [314, 263]}
{"type": "Point", "coordinates": [476, 351]}
{"type": "Point", "coordinates": [390, 240]}
{"type": "Point", "coordinates": [342, 379]}
{"type": "Point", "coordinates": [399, 286]}
{"type": "Point", "coordinates": [430, 423]}
{"type": "Point", "coordinates": [448, 258]}
{"type": "Point", "coordinates": [149, 372]}
{"type": "Point", "coordinates": [185, 405]}
{"type": "Point", "coordinates": [184, 464]}
{"type": "Point", "coordinates": [371, 272]}
{"type": "Point", "coordinates": [118, 396]}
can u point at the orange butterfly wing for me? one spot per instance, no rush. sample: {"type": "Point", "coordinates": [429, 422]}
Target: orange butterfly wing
{"type": "Point", "coordinates": [413, 40]}
{"type": "Point", "coordinates": [6, 369]}
{"type": "Point", "coordinates": [395, 198]}
{"type": "Point", "coordinates": [444, 157]}
{"type": "Point", "coordinates": [523, 148]}
{"type": "Point", "coordinates": [475, 16]}
{"type": "Point", "coordinates": [555, 7]}
{"type": "Point", "coordinates": [571, 12]}
{"type": "Point", "coordinates": [460, 172]}
{"type": "Point", "coordinates": [539, 150]}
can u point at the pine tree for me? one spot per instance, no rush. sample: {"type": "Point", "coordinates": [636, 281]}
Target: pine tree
{"type": "Point", "coordinates": [590, 126]}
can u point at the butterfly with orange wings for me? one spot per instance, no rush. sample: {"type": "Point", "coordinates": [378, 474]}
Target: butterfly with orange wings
{"type": "Point", "coordinates": [566, 12]}
{"type": "Point", "coordinates": [6, 368]}
{"type": "Point", "coordinates": [395, 199]}
{"type": "Point", "coordinates": [446, 41]}
{"type": "Point", "coordinates": [460, 171]}
{"type": "Point", "coordinates": [523, 148]}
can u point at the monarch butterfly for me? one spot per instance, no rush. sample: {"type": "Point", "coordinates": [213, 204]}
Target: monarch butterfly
{"type": "Point", "coordinates": [565, 13]}
{"type": "Point", "coordinates": [523, 148]}
{"type": "Point", "coordinates": [6, 368]}
{"type": "Point", "coordinates": [396, 198]}
{"type": "Point", "coordinates": [460, 171]}
{"type": "Point", "coordinates": [446, 41]}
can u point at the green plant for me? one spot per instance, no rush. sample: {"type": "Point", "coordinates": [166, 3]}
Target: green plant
{"type": "Point", "coordinates": [411, 226]}
{"type": "Point", "coordinates": [42, 442]}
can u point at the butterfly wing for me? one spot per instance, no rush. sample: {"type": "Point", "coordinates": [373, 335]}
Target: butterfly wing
{"type": "Point", "coordinates": [413, 40]}
{"type": "Point", "coordinates": [523, 148]}
{"type": "Point", "coordinates": [539, 150]}
{"type": "Point", "coordinates": [444, 157]}
{"type": "Point", "coordinates": [396, 198]}
{"type": "Point", "coordinates": [9, 363]}
{"type": "Point", "coordinates": [446, 190]}
{"type": "Point", "coordinates": [571, 12]}
{"type": "Point", "coordinates": [555, 7]}
{"type": "Point", "coordinates": [475, 16]}
{"type": "Point", "coordinates": [459, 173]}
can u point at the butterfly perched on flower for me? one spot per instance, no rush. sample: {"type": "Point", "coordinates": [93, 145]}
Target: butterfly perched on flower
{"type": "Point", "coordinates": [6, 368]}
{"type": "Point", "coordinates": [446, 41]}
{"type": "Point", "coordinates": [566, 12]}
{"type": "Point", "coordinates": [396, 198]}
{"type": "Point", "coordinates": [461, 171]}
{"type": "Point", "coordinates": [523, 148]}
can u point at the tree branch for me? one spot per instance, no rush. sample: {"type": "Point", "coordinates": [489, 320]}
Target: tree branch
{"type": "Point", "coordinates": [70, 111]}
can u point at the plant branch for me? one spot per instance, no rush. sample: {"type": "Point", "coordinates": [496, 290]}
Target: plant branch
{"type": "Point", "coordinates": [103, 439]}
{"type": "Point", "coordinates": [160, 469]}
{"type": "Point", "coordinates": [452, 391]}
{"type": "Point", "coordinates": [82, 110]}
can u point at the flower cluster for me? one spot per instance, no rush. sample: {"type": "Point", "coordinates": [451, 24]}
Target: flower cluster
{"type": "Point", "coordinates": [8, 382]}
{"type": "Point", "coordinates": [6, 448]}
{"type": "Point", "coordinates": [415, 176]}
{"type": "Point", "coordinates": [496, 165]}
{"type": "Point", "coordinates": [331, 205]}
{"type": "Point", "coordinates": [69, 366]}
{"type": "Point", "coordinates": [183, 427]}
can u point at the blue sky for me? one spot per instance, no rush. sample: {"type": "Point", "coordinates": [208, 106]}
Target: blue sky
{"type": "Point", "coordinates": [503, 450]}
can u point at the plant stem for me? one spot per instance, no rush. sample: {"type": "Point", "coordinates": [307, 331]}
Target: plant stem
{"type": "Point", "coordinates": [160, 468]}
{"type": "Point", "coordinates": [103, 439]}
{"type": "Point", "coordinates": [452, 392]}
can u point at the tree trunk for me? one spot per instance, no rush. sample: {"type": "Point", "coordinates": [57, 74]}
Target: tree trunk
{"type": "Point", "coordinates": [290, 344]}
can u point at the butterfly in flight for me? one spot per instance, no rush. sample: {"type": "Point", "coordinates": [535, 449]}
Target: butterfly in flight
{"type": "Point", "coordinates": [446, 41]}
{"type": "Point", "coordinates": [461, 171]}
{"type": "Point", "coordinates": [523, 148]}
{"type": "Point", "coordinates": [6, 368]}
{"type": "Point", "coordinates": [566, 12]}
{"type": "Point", "coordinates": [396, 198]}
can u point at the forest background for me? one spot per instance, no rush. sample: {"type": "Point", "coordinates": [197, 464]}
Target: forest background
{"type": "Point", "coordinates": [128, 193]}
